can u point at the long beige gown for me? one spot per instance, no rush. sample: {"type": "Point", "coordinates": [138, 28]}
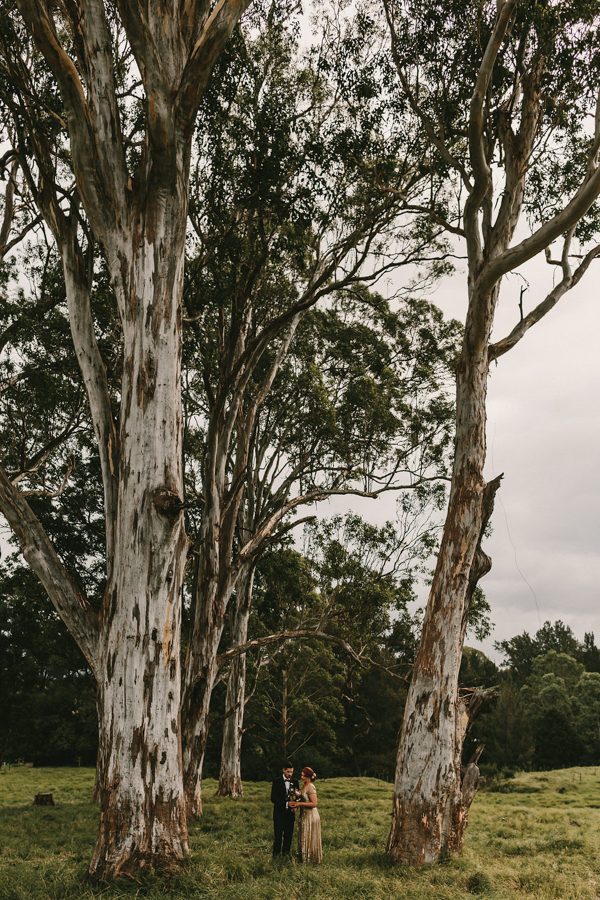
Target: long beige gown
{"type": "Point", "coordinates": [309, 829]}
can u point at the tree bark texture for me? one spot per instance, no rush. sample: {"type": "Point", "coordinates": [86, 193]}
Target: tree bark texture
{"type": "Point", "coordinates": [427, 787]}
{"type": "Point", "coordinates": [141, 789]}
{"type": "Point", "coordinates": [137, 212]}
{"type": "Point", "coordinates": [230, 775]}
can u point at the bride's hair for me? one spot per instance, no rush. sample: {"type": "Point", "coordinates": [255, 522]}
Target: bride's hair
{"type": "Point", "coordinates": [307, 772]}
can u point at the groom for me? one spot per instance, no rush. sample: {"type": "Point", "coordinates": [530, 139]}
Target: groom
{"type": "Point", "coordinates": [283, 816]}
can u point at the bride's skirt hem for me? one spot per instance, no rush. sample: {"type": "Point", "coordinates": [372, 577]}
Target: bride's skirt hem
{"type": "Point", "coordinates": [310, 849]}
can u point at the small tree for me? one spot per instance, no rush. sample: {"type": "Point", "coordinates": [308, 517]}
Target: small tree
{"type": "Point", "coordinates": [359, 584]}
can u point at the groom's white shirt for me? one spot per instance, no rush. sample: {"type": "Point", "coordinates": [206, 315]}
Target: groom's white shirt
{"type": "Point", "coordinates": [288, 785]}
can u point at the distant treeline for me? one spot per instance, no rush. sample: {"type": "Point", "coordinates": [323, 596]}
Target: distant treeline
{"type": "Point", "coordinates": [547, 711]}
{"type": "Point", "coordinates": [309, 699]}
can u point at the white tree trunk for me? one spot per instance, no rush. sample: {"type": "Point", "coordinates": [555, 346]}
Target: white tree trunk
{"type": "Point", "coordinates": [141, 790]}
{"type": "Point", "coordinates": [201, 668]}
{"type": "Point", "coordinates": [230, 776]}
{"type": "Point", "coordinates": [137, 212]}
{"type": "Point", "coordinates": [195, 726]}
{"type": "Point", "coordinates": [427, 790]}
{"type": "Point", "coordinates": [196, 708]}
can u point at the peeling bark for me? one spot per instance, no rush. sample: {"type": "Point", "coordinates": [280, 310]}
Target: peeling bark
{"type": "Point", "coordinates": [431, 794]}
{"type": "Point", "coordinates": [428, 778]}
{"type": "Point", "coordinates": [138, 217]}
{"type": "Point", "coordinates": [142, 804]}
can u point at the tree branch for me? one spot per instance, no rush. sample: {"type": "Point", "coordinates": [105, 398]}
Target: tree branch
{"type": "Point", "coordinates": [216, 32]}
{"type": "Point", "coordinates": [546, 234]}
{"type": "Point", "coordinates": [94, 374]}
{"type": "Point", "coordinates": [282, 636]}
{"type": "Point", "coordinates": [66, 596]}
{"type": "Point", "coordinates": [482, 176]}
{"type": "Point", "coordinates": [97, 158]}
{"type": "Point", "coordinates": [567, 282]}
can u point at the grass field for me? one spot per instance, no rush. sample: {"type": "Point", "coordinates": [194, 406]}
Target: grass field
{"type": "Point", "coordinates": [535, 836]}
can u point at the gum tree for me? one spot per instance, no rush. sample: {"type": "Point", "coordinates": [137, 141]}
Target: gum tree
{"type": "Point", "coordinates": [101, 105]}
{"type": "Point", "coordinates": [288, 211]}
{"type": "Point", "coordinates": [361, 404]}
{"type": "Point", "coordinates": [506, 97]}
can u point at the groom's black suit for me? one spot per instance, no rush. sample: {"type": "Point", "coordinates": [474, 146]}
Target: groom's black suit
{"type": "Point", "coordinates": [283, 818]}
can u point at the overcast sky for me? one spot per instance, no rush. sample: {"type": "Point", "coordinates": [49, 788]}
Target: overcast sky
{"type": "Point", "coordinates": [544, 434]}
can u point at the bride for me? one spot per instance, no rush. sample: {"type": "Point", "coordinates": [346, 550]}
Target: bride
{"type": "Point", "coordinates": [309, 826]}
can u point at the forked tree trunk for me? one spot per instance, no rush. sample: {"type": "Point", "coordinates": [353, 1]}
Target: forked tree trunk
{"type": "Point", "coordinates": [230, 775]}
{"type": "Point", "coordinates": [427, 791]}
{"type": "Point", "coordinates": [141, 791]}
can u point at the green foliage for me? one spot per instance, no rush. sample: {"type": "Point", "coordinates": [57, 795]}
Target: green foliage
{"type": "Point", "coordinates": [555, 740]}
{"type": "Point", "coordinates": [476, 670]}
{"type": "Point", "coordinates": [298, 708]}
{"type": "Point", "coordinates": [586, 710]}
{"type": "Point", "coordinates": [505, 730]}
{"type": "Point", "coordinates": [549, 719]}
{"type": "Point", "coordinates": [47, 694]}
{"type": "Point", "coordinates": [521, 651]}
{"type": "Point", "coordinates": [478, 618]}
{"type": "Point", "coordinates": [313, 701]}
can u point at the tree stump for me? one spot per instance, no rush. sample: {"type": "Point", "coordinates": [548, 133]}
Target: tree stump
{"type": "Point", "coordinates": [44, 800]}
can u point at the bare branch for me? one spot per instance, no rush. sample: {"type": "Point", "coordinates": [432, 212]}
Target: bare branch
{"type": "Point", "coordinates": [38, 459]}
{"type": "Point", "coordinates": [294, 634]}
{"type": "Point", "coordinates": [481, 170]}
{"type": "Point", "coordinates": [546, 234]}
{"type": "Point", "coordinates": [287, 636]}
{"type": "Point", "coordinates": [9, 208]}
{"type": "Point", "coordinates": [46, 492]}
{"type": "Point", "coordinates": [482, 176]}
{"type": "Point", "coordinates": [565, 284]}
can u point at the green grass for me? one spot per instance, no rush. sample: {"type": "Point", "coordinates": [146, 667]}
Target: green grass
{"type": "Point", "coordinates": [536, 836]}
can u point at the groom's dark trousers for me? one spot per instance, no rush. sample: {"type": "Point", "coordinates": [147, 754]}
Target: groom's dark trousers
{"type": "Point", "coordinates": [283, 818]}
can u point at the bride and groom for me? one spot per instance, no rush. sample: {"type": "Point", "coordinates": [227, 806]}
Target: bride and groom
{"type": "Point", "coordinates": [287, 797]}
